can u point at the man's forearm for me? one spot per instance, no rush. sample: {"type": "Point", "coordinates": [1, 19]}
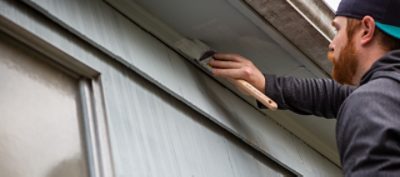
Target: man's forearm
{"type": "Point", "coordinates": [320, 97]}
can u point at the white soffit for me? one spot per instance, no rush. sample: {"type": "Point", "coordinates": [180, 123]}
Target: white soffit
{"type": "Point", "coordinates": [225, 28]}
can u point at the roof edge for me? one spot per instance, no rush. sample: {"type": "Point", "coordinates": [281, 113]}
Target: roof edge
{"type": "Point", "coordinates": [306, 24]}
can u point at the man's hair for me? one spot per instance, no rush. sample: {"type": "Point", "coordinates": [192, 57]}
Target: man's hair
{"type": "Point", "coordinates": [388, 43]}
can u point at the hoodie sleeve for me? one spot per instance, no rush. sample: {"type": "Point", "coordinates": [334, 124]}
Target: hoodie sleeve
{"type": "Point", "coordinates": [320, 97]}
{"type": "Point", "coordinates": [368, 130]}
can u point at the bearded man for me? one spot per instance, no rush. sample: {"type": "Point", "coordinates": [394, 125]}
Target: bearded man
{"type": "Point", "coordinates": [364, 95]}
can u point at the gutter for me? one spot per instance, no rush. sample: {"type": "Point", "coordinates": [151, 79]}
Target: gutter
{"type": "Point", "coordinates": [305, 23]}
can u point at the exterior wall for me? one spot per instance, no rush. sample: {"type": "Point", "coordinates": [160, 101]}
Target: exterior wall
{"type": "Point", "coordinates": [165, 117]}
{"type": "Point", "coordinates": [153, 134]}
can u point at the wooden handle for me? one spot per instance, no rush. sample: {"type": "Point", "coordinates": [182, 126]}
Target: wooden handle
{"type": "Point", "coordinates": [266, 101]}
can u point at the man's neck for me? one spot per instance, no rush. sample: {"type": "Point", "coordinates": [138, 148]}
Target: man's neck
{"type": "Point", "coordinates": [366, 60]}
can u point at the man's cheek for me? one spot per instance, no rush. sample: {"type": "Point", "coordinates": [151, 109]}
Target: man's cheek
{"type": "Point", "coordinates": [331, 56]}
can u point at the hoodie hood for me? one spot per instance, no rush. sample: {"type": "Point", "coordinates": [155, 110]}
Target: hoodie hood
{"type": "Point", "coordinates": [388, 66]}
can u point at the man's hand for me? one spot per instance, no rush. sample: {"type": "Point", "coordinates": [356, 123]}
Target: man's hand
{"type": "Point", "coordinates": [233, 66]}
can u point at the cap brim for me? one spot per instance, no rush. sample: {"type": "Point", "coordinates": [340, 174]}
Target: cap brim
{"type": "Point", "coordinates": [389, 29]}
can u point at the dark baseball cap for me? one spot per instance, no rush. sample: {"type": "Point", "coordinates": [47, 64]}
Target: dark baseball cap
{"type": "Point", "coordinates": [385, 12]}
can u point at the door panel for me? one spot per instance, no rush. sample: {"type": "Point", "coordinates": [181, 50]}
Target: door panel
{"type": "Point", "coordinates": [40, 126]}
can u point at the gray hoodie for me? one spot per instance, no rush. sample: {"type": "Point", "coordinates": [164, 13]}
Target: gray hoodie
{"type": "Point", "coordinates": [368, 116]}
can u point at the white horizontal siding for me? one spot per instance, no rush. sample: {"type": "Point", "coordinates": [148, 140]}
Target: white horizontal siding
{"type": "Point", "coordinates": [153, 134]}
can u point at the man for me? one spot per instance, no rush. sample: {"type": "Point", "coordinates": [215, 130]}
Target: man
{"type": "Point", "coordinates": [366, 97]}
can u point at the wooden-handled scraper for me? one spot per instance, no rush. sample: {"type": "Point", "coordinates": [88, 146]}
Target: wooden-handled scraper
{"type": "Point", "coordinates": [201, 54]}
{"type": "Point", "coordinates": [244, 85]}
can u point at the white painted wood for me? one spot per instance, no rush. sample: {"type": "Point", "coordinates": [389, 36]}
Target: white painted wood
{"type": "Point", "coordinates": [88, 119]}
{"type": "Point", "coordinates": [163, 137]}
{"type": "Point", "coordinates": [92, 101]}
{"type": "Point", "coordinates": [40, 116]}
{"type": "Point", "coordinates": [101, 131]}
{"type": "Point", "coordinates": [174, 75]}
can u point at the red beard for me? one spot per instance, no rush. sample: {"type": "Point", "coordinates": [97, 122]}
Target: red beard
{"type": "Point", "coordinates": [345, 67]}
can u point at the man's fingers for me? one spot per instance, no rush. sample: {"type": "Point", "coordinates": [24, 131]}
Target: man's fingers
{"type": "Point", "coordinates": [229, 57]}
{"type": "Point", "coordinates": [224, 64]}
{"type": "Point", "coordinates": [228, 73]}
{"type": "Point", "coordinates": [233, 66]}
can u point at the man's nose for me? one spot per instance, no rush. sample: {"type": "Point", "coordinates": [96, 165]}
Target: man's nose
{"type": "Point", "coordinates": [330, 47]}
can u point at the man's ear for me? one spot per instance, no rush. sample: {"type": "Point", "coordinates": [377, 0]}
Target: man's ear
{"type": "Point", "coordinates": [368, 30]}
